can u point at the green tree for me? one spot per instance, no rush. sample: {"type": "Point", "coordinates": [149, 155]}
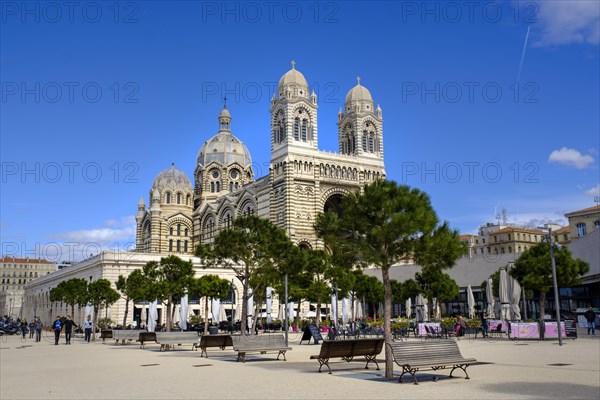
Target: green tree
{"type": "Point", "coordinates": [319, 270]}
{"type": "Point", "coordinates": [251, 246]}
{"type": "Point", "coordinates": [209, 287]}
{"type": "Point", "coordinates": [533, 270]}
{"type": "Point", "coordinates": [131, 287]}
{"type": "Point", "coordinates": [72, 292]}
{"type": "Point", "coordinates": [387, 224]}
{"type": "Point", "coordinates": [434, 283]}
{"type": "Point", "coordinates": [495, 285]}
{"type": "Point", "coordinates": [101, 295]}
{"type": "Point", "coordinates": [167, 281]}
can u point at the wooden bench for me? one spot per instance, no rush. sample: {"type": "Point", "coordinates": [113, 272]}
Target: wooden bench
{"type": "Point", "coordinates": [170, 339]}
{"type": "Point", "coordinates": [124, 335]}
{"type": "Point", "coordinates": [146, 337]}
{"type": "Point", "coordinates": [220, 341]}
{"type": "Point", "coordinates": [429, 354]}
{"type": "Point", "coordinates": [348, 349]}
{"type": "Point", "coordinates": [259, 344]}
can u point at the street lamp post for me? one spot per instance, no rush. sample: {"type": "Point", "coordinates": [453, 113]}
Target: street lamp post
{"type": "Point", "coordinates": [556, 299]}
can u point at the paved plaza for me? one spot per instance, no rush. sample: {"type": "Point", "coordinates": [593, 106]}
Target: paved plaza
{"type": "Point", "coordinates": [508, 369]}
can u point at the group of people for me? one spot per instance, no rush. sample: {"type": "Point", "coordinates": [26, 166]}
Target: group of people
{"type": "Point", "coordinates": [68, 325]}
{"type": "Point", "coordinates": [34, 327]}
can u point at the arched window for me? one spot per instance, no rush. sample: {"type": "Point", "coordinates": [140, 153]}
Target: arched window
{"type": "Point", "coordinates": [364, 141]}
{"type": "Point", "coordinates": [231, 186]}
{"type": "Point", "coordinates": [304, 130]}
{"type": "Point", "coordinates": [170, 244]}
{"type": "Point", "coordinates": [185, 232]}
{"type": "Point", "coordinates": [187, 200]}
{"type": "Point", "coordinates": [212, 187]}
{"type": "Point", "coordinates": [218, 186]}
{"type": "Point", "coordinates": [171, 231]}
{"type": "Point", "coordinates": [168, 197]}
{"type": "Point", "coordinates": [297, 128]}
{"type": "Point", "coordinates": [185, 247]}
{"type": "Point", "coordinates": [179, 246]}
{"type": "Point", "coordinates": [178, 198]}
{"type": "Point", "coordinates": [236, 186]}
{"type": "Point", "coordinates": [371, 144]}
{"type": "Point", "coordinates": [178, 229]}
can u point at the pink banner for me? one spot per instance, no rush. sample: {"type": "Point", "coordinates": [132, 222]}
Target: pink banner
{"type": "Point", "coordinates": [434, 325]}
{"type": "Point", "coordinates": [552, 331]}
{"type": "Point", "coordinates": [524, 330]}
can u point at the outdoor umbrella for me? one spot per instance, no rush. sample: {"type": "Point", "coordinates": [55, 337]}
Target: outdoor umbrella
{"type": "Point", "coordinates": [425, 309]}
{"type": "Point", "coordinates": [281, 312]}
{"type": "Point", "coordinates": [291, 314]}
{"type": "Point", "coordinates": [408, 307]}
{"type": "Point", "coordinates": [344, 311]}
{"type": "Point", "coordinates": [489, 294]}
{"type": "Point", "coordinates": [357, 309]}
{"type": "Point", "coordinates": [222, 313]}
{"type": "Point", "coordinates": [214, 309]}
{"type": "Point", "coordinates": [269, 302]}
{"type": "Point", "coordinates": [437, 314]}
{"type": "Point", "coordinates": [152, 316]}
{"type": "Point", "coordinates": [183, 311]}
{"type": "Point", "coordinates": [514, 297]}
{"type": "Point", "coordinates": [419, 308]}
{"type": "Point", "coordinates": [470, 302]}
{"type": "Point", "coordinates": [250, 309]}
{"type": "Point", "coordinates": [504, 299]}
{"type": "Point", "coordinates": [334, 312]}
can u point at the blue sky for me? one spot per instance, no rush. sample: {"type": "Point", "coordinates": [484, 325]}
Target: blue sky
{"type": "Point", "coordinates": [98, 98]}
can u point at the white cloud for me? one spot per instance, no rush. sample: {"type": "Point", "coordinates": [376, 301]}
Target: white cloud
{"type": "Point", "coordinates": [571, 158]}
{"type": "Point", "coordinates": [566, 22]}
{"type": "Point", "coordinates": [593, 191]}
{"type": "Point", "coordinates": [118, 235]}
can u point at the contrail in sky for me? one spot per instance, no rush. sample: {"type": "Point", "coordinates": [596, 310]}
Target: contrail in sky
{"type": "Point", "coordinates": [523, 54]}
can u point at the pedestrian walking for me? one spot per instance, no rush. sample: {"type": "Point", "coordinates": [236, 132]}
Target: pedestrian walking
{"type": "Point", "coordinates": [88, 325]}
{"type": "Point", "coordinates": [57, 326]}
{"type": "Point", "coordinates": [484, 322]}
{"type": "Point", "coordinates": [68, 324]}
{"type": "Point", "coordinates": [31, 328]}
{"type": "Point", "coordinates": [590, 316]}
{"type": "Point", "coordinates": [37, 325]}
{"type": "Point", "coordinates": [24, 328]}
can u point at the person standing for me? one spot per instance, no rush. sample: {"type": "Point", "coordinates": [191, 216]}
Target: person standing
{"type": "Point", "coordinates": [57, 326]}
{"type": "Point", "coordinates": [87, 328]}
{"type": "Point", "coordinates": [484, 322]}
{"type": "Point", "coordinates": [69, 324]}
{"type": "Point", "coordinates": [37, 325]}
{"type": "Point", "coordinates": [590, 316]}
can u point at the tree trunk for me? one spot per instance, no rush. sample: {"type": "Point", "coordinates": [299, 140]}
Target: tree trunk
{"type": "Point", "coordinates": [542, 305]}
{"type": "Point", "coordinates": [169, 305]}
{"type": "Point", "coordinates": [318, 311]}
{"type": "Point", "coordinates": [244, 321]}
{"type": "Point", "coordinates": [95, 323]}
{"type": "Point", "coordinates": [73, 311]}
{"type": "Point", "coordinates": [206, 316]}
{"type": "Point", "coordinates": [387, 316]}
{"type": "Point", "coordinates": [126, 312]}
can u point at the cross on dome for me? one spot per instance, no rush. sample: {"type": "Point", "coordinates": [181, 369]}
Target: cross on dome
{"type": "Point", "coordinates": [358, 80]}
{"type": "Point", "coordinates": [293, 64]}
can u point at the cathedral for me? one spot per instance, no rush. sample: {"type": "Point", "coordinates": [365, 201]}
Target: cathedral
{"type": "Point", "coordinates": [303, 181]}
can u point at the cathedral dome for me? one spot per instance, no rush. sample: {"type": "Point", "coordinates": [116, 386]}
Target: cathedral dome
{"type": "Point", "coordinates": [358, 93]}
{"type": "Point", "coordinates": [359, 99]}
{"type": "Point", "coordinates": [225, 149]}
{"type": "Point", "coordinates": [224, 113]}
{"type": "Point", "coordinates": [171, 178]}
{"type": "Point", "coordinates": [292, 78]}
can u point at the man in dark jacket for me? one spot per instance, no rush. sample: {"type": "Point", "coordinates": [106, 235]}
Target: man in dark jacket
{"type": "Point", "coordinates": [68, 324]}
{"type": "Point", "coordinates": [57, 326]}
{"type": "Point", "coordinates": [590, 316]}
